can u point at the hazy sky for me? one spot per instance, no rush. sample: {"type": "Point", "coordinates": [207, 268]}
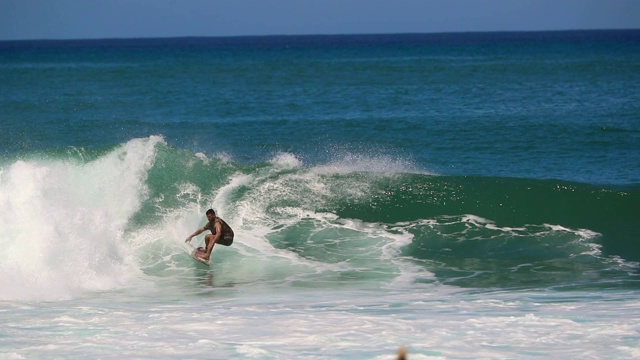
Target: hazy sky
{"type": "Point", "coordinates": [75, 19]}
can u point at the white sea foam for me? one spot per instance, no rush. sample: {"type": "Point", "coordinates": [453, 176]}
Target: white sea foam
{"type": "Point", "coordinates": [337, 324]}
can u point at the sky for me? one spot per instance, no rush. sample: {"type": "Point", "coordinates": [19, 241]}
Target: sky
{"type": "Point", "coordinates": [82, 19]}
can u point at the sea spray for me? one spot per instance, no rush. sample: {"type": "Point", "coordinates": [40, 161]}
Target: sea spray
{"type": "Point", "coordinates": [63, 221]}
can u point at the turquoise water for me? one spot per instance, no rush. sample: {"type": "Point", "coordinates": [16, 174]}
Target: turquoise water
{"type": "Point", "coordinates": [464, 195]}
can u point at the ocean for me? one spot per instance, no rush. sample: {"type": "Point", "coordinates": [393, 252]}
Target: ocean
{"type": "Point", "coordinates": [463, 195]}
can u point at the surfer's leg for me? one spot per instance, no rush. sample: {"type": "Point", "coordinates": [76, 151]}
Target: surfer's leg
{"type": "Point", "coordinates": [210, 241]}
{"type": "Point", "coordinates": [206, 244]}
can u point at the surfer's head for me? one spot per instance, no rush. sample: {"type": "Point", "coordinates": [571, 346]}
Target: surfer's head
{"type": "Point", "coordinates": [211, 215]}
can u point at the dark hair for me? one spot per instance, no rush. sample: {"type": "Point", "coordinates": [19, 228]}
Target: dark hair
{"type": "Point", "coordinates": [210, 211]}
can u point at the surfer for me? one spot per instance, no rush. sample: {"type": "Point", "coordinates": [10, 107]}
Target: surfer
{"type": "Point", "coordinates": [221, 233]}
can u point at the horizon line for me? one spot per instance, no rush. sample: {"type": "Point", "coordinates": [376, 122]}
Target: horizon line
{"type": "Point", "coordinates": [322, 34]}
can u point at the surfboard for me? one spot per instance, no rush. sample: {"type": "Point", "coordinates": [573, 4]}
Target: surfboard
{"type": "Point", "coordinates": [196, 252]}
{"type": "Point", "coordinates": [199, 251]}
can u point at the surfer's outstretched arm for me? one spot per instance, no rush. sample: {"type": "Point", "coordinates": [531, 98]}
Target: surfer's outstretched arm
{"type": "Point", "coordinates": [198, 232]}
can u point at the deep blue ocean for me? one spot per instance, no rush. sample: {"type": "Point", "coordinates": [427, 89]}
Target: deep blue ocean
{"type": "Point", "coordinates": [466, 195]}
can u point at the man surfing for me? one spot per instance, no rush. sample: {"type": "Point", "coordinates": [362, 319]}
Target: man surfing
{"type": "Point", "coordinates": [221, 233]}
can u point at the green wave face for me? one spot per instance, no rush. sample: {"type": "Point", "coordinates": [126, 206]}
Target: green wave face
{"type": "Point", "coordinates": [465, 231]}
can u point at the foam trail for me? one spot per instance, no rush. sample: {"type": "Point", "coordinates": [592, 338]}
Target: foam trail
{"type": "Point", "coordinates": [63, 222]}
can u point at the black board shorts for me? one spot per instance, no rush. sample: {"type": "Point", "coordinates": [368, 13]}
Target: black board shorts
{"type": "Point", "coordinates": [225, 240]}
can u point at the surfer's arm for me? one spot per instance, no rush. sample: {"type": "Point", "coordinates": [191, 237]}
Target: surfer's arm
{"type": "Point", "coordinates": [198, 232]}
